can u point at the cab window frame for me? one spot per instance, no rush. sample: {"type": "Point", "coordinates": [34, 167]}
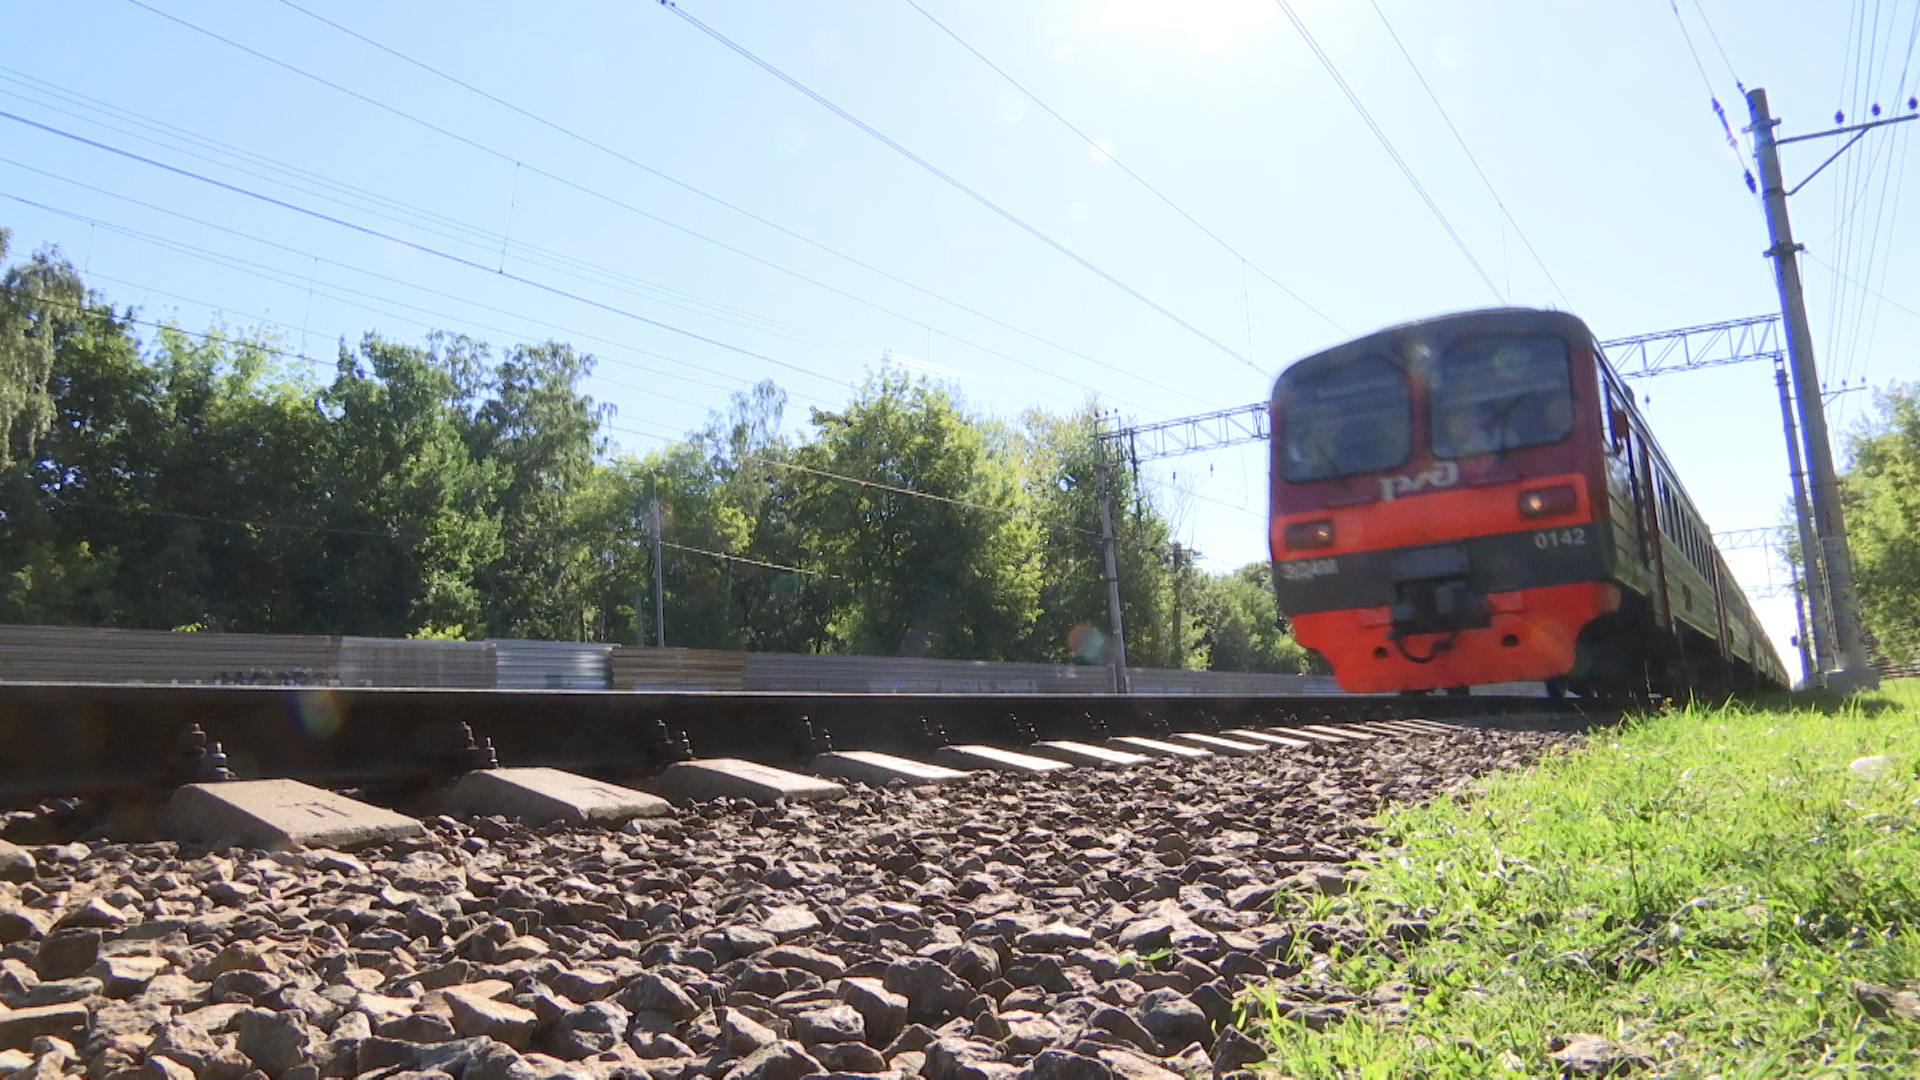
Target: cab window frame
{"type": "Point", "coordinates": [1284, 435]}
{"type": "Point", "coordinates": [1434, 392]}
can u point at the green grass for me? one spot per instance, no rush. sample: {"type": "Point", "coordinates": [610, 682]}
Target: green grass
{"type": "Point", "coordinates": [1702, 884]}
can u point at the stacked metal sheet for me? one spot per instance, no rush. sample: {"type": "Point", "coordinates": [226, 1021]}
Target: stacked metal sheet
{"type": "Point", "coordinates": [88, 655]}
{"type": "Point", "coordinates": [76, 654]}
{"type": "Point", "coordinates": [677, 669]}
{"type": "Point", "coordinates": [550, 665]}
{"type": "Point", "coordinates": [401, 662]}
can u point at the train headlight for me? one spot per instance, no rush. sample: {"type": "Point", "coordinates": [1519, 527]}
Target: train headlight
{"type": "Point", "coordinates": [1547, 502]}
{"type": "Point", "coordinates": [1307, 535]}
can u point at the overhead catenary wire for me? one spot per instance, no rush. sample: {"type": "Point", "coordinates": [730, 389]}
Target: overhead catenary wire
{"type": "Point", "coordinates": [1857, 177]}
{"type": "Point", "coordinates": [1719, 111]}
{"type": "Point", "coordinates": [331, 288]}
{"type": "Point", "coordinates": [257, 343]}
{"type": "Point", "coordinates": [412, 537]}
{"type": "Point", "coordinates": [423, 248]}
{"type": "Point", "coordinates": [1860, 233]}
{"type": "Point", "coordinates": [1904, 137]}
{"type": "Point", "coordinates": [618, 280]}
{"type": "Point", "coordinates": [1005, 511]}
{"type": "Point", "coordinates": [1387, 144]}
{"type": "Point", "coordinates": [1465, 149]}
{"type": "Point", "coordinates": [1113, 160]}
{"type": "Point", "coordinates": [750, 562]}
{"type": "Point", "coordinates": [562, 264]}
{"type": "Point", "coordinates": [259, 320]}
{"type": "Point", "coordinates": [957, 184]}
{"type": "Point", "coordinates": [1715, 38]}
{"type": "Point", "coordinates": [667, 178]}
{"type": "Point", "coordinates": [773, 463]}
{"type": "Point", "coordinates": [1848, 202]}
{"type": "Point", "coordinates": [82, 308]}
{"type": "Point", "coordinates": [247, 522]}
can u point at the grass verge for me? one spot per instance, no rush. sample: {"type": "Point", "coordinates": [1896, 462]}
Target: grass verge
{"type": "Point", "coordinates": [1704, 885]}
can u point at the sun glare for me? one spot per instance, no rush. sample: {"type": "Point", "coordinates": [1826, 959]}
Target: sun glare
{"type": "Point", "coordinates": [1208, 24]}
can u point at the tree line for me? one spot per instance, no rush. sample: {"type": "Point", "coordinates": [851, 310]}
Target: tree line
{"type": "Point", "coordinates": [158, 478]}
{"type": "Point", "coordinates": [1880, 496]}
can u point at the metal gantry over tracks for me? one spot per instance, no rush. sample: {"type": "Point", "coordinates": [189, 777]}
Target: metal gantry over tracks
{"type": "Point", "coordinates": [1665, 352]}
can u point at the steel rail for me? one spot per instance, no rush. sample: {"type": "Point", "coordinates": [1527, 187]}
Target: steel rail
{"type": "Point", "coordinates": [77, 740]}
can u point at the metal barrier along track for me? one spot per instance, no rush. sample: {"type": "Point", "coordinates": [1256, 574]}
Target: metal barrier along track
{"type": "Point", "coordinates": [65, 739]}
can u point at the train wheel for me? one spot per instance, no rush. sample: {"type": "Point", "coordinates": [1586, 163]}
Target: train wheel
{"type": "Point", "coordinates": [1556, 688]}
{"type": "Point", "coordinates": [1459, 691]}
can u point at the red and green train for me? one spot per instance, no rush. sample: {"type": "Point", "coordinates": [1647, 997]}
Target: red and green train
{"type": "Point", "coordinates": [1475, 499]}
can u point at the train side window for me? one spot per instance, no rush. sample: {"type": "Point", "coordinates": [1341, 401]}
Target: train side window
{"type": "Point", "coordinates": [1619, 426]}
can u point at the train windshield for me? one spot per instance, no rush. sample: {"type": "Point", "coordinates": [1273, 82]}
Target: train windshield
{"type": "Point", "coordinates": [1348, 418]}
{"type": "Point", "coordinates": [1496, 392]}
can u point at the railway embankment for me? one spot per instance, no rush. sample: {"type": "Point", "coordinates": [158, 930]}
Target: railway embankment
{"type": "Point", "coordinates": [1709, 891]}
{"type": "Point", "coordinates": [1086, 923]}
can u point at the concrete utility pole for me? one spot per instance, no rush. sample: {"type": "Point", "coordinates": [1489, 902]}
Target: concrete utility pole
{"type": "Point", "coordinates": [1178, 653]}
{"type": "Point", "coordinates": [1853, 671]}
{"type": "Point", "coordinates": [1117, 644]}
{"type": "Point", "coordinates": [1815, 584]}
{"type": "Point", "coordinates": [1808, 667]}
{"type": "Point", "coordinates": [659, 593]}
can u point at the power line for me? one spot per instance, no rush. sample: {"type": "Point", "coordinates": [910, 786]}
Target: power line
{"type": "Point", "coordinates": [749, 562]}
{"type": "Point", "coordinates": [1892, 219]}
{"type": "Point", "coordinates": [930, 496]}
{"type": "Point", "coordinates": [650, 170]}
{"type": "Point", "coordinates": [1695, 53]}
{"type": "Point", "coordinates": [555, 260]}
{"type": "Point", "coordinates": [82, 308]}
{"type": "Point", "coordinates": [1010, 512]}
{"type": "Point", "coordinates": [252, 523]}
{"type": "Point", "coordinates": [1708, 23]}
{"type": "Point", "coordinates": [954, 183]}
{"type": "Point", "coordinates": [1405, 169]}
{"type": "Point", "coordinates": [1866, 76]}
{"type": "Point", "coordinates": [316, 362]}
{"type": "Point", "coordinates": [1719, 111]}
{"type": "Point", "coordinates": [1117, 163]}
{"type": "Point", "coordinates": [167, 327]}
{"type": "Point", "coordinates": [1457, 137]}
{"type": "Point", "coordinates": [262, 346]}
{"type": "Point", "coordinates": [552, 260]}
{"type": "Point", "coordinates": [290, 526]}
{"type": "Point", "coordinates": [261, 270]}
{"type": "Point", "coordinates": [1856, 178]}
{"type": "Point", "coordinates": [257, 321]}
{"type": "Point", "coordinates": [424, 248]}
{"type": "Point", "coordinates": [198, 142]}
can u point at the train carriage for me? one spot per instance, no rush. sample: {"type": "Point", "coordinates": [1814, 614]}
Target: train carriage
{"type": "Point", "coordinates": [1475, 499]}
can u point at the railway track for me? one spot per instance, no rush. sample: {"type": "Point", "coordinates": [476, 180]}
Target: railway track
{"type": "Point", "coordinates": [93, 739]}
{"type": "Point", "coordinates": [1092, 922]}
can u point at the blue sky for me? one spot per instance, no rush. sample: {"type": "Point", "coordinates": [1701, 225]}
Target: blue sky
{"type": "Point", "coordinates": [1590, 119]}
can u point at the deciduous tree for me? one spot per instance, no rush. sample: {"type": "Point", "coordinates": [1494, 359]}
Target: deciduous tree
{"type": "Point", "coordinates": [1881, 493]}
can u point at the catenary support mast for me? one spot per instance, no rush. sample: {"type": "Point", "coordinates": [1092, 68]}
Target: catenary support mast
{"type": "Point", "coordinates": [1835, 562]}
{"type": "Point", "coordinates": [1117, 644]}
{"type": "Point", "coordinates": [1821, 629]}
{"type": "Point", "coordinates": [659, 590]}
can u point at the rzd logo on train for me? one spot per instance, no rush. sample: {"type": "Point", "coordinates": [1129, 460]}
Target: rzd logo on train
{"type": "Point", "coordinates": [1445, 474]}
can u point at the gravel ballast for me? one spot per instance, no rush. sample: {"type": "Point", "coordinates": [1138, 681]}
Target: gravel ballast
{"type": "Point", "coordinates": [1080, 926]}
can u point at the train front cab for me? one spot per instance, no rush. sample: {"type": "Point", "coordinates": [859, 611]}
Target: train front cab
{"type": "Point", "coordinates": [1441, 515]}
